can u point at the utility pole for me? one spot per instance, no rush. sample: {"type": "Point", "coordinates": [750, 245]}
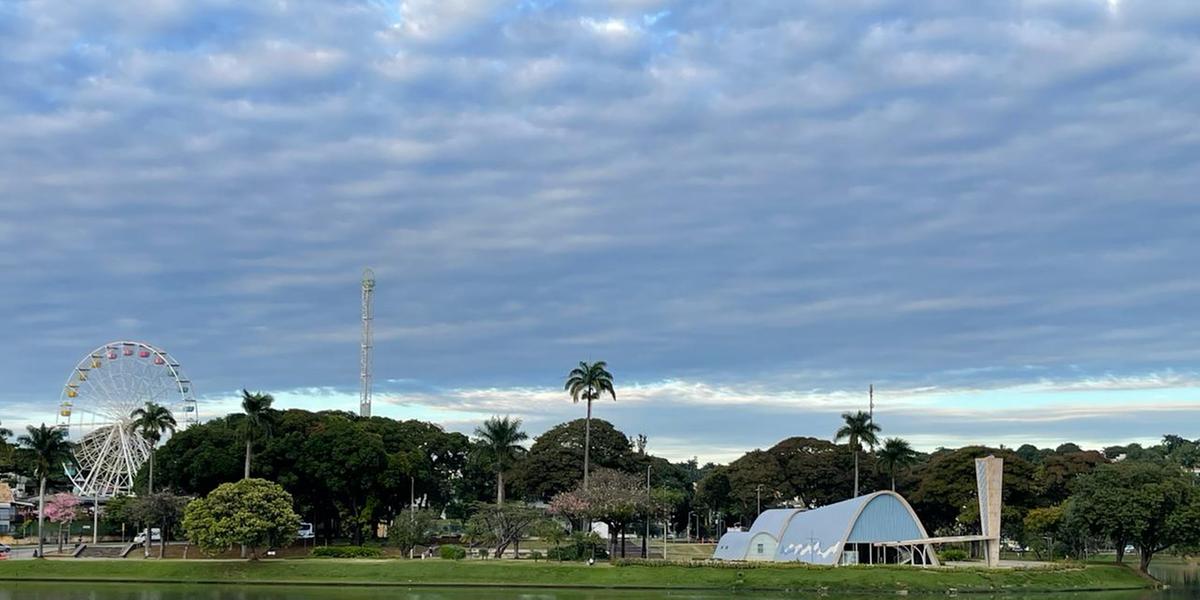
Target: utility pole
{"type": "Point", "coordinates": [871, 395]}
{"type": "Point", "coordinates": [758, 497]}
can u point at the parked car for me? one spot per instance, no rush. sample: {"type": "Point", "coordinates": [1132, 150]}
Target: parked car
{"type": "Point", "coordinates": [5, 548]}
{"type": "Point", "coordinates": [306, 531]}
{"type": "Point", "coordinates": [155, 536]}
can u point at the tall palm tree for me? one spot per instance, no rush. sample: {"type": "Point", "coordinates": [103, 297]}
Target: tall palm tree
{"type": "Point", "coordinates": [896, 453]}
{"type": "Point", "coordinates": [858, 429]}
{"type": "Point", "coordinates": [152, 421]}
{"type": "Point", "coordinates": [257, 423]}
{"type": "Point", "coordinates": [50, 450]}
{"type": "Point", "coordinates": [589, 382]}
{"type": "Point", "coordinates": [500, 443]}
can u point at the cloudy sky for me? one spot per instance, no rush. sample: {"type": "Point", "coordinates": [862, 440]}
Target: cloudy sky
{"type": "Point", "coordinates": [751, 209]}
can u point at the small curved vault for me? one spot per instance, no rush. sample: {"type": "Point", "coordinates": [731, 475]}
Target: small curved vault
{"type": "Point", "coordinates": [863, 530]}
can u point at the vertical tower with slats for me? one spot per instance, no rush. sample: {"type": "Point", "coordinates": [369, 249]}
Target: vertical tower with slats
{"type": "Point", "coordinates": [364, 360]}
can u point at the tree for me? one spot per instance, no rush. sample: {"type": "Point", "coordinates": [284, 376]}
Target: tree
{"type": "Point", "coordinates": [257, 423]}
{"type": "Point", "coordinates": [614, 498]}
{"type": "Point", "coordinates": [589, 382]}
{"type": "Point", "coordinates": [162, 508]}
{"type": "Point", "coordinates": [5, 433]}
{"type": "Point", "coordinates": [411, 530]}
{"type": "Point", "coordinates": [50, 449]}
{"type": "Point", "coordinates": [345, 462]}
{"type": "Point", "coordinates": [152, 421]}
{"type": "Point", "coordinates": [1152, 506]}
{"type": "Point", "coordinates": [62, 509]}
{"type": "Point", "coordinates": [501, 525]}
{"type": "Point", "coordinates": [896, 453]}
{"type": "Point", "coordinates": [551, 464]}
{"type": "Point", "coordinates": [1057, 471]}
{"type": "Point", "coordinates": [499, 444]}
{"type": "Point", "coordinates": [858, 429]}
{"type": "Point", "coordinates": [1043, 523]}
{"type": "Point", "coordinates": [251, 512]}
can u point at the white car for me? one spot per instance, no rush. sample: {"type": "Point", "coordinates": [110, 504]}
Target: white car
{"type": "Point", "coordinates": [306, 531]}
{"type": "Point", "coordinates": [155, 536]}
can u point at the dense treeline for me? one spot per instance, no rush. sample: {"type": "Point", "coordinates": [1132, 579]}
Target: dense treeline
{"type": "Point", "coordinates": [347, 473]}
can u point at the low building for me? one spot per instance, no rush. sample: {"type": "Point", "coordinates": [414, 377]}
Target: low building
{"type": "Point", "coordinates": [863, 530]}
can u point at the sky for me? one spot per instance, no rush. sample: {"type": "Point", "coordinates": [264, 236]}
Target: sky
{"type": "Point", "coordinates": [751, 209]}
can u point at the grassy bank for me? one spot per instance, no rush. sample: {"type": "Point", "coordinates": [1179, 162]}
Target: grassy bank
{"type": "Point", "coordinates": [528, 574]}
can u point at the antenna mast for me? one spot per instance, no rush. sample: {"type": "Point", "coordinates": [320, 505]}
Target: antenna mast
{"type": "Point", "coordinates": [364, 361]}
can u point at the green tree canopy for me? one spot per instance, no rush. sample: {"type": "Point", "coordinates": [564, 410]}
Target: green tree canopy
{"type": "Point", "coordinates": [556, 457]}
{"type": "Point", "coordinates": [1145, 504]}
{"type": "Point", "coordinates": [251, 512]}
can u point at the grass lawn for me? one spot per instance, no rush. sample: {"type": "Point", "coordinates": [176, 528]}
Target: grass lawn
{"type": "Point", "coordinates": [528, 573]}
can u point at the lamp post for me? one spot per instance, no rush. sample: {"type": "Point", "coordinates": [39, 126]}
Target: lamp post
{"type": "Point", "coordinates": [649, 510]}
{"type": "Point", "coordinates": [758, 498]}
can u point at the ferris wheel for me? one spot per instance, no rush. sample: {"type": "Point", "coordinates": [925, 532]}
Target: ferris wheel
{"type": "Point", "coordinates": [102, 390]}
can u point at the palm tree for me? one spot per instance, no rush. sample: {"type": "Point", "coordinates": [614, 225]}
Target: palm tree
{"type": "Point", "coordinates": [500, 440]}
{"type": "Point", "coordinates": [152, 421]}
{"type": "Point", "coordinates": [50, 450]}
{"type": "Point", "coordinates": [257, 407]}
{"type": "Point", "coordinates": [5, 433]}
{"type": "Point", "coordinates": [589, 382]}
{"type": "Point", "coordinates": [859, 428]}
{"type": "Point", "coordinates": [895, 453]}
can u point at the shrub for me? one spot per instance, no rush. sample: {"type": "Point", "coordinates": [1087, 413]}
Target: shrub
{"type": "Point", "coordinates": [346, 552]}
{"type": "Point", "coordinates": [953, 554]}
{"type": "Point", "coordinates": [535, 555]}
{"type": "Point", "coordinates": [483, 552]}
{"type": "Point", "coordinates": [581, 546]}
{"type": "Point", "coordinates": [451, 552]}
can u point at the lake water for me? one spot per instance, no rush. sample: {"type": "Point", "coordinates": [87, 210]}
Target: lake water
{"type": "Point", "coordinates": [1185, 582]}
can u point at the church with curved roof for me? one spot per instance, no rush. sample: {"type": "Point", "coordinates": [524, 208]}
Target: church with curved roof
{"type": "Point", "coordinates": [878, 528]}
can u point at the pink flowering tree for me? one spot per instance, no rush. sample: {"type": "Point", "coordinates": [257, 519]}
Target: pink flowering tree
{"type": "Point", "coordinates": [62, 509]}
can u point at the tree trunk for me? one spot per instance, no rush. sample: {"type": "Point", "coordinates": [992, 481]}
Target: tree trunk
{"type": "Point", "coordinates": [856, 473]}
{"type": "Point", "coordinates": [150, 487]}
{"type": "Point", "coordinates": [41, 518]}
{"type": "Point", "coordinates": [1144, 557]}
{"type": "Point", "coordinates": [645, 539]}
{"type": "Point", "coordinates": [162, 541]}
{"type": "Point", "coordinates": [246, 475]}
{"type": "Point", "coordinates": [622, 540]}
{"type": "Point", "coordinates": [1120, 551]}
{"type": "Point", "coordinates": [587, 441]}
{"type": "Point", "coordinates": [893, 474]}
{"type": "Point", "coordinates": [500, 487]}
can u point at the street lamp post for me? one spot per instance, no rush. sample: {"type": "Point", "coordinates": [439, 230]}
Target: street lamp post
{"type": "Point", "coordinates": [649, 510]}
{"type": "Point", "coordinates": [758, 497]}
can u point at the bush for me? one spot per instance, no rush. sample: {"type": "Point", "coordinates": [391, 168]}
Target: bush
{"type": "Point", "coordinates": [535, 555]}
{"type": "Point", "coordinates": [953, 554]}
{"type": "Point", "coordinates": [452, 552]}
{"type": "Point", "coordinates": [346, 552]}
{"type": "Point", "coordinates": [581, 546]}
{"type": "Point", "coordinates": [483, 552]}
